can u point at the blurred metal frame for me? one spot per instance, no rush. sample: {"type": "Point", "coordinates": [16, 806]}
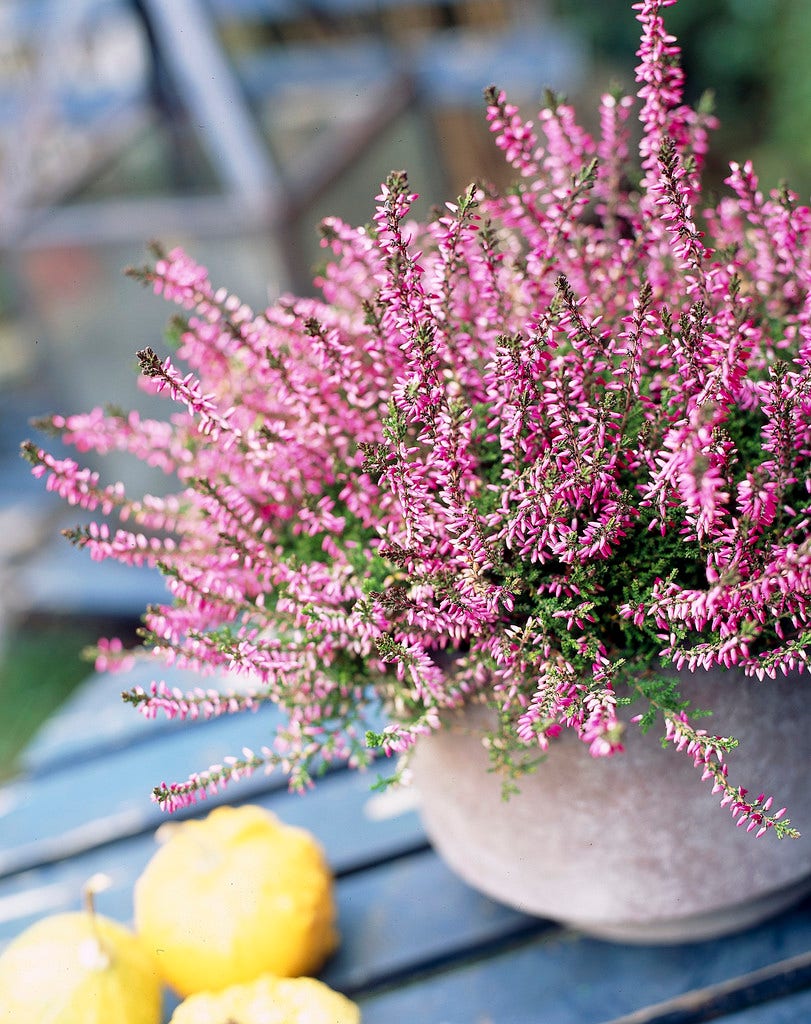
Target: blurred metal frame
{"type": "Point", "coordinates": [193, 81]}
{"type": "Point", "coordinates": [191, 73]}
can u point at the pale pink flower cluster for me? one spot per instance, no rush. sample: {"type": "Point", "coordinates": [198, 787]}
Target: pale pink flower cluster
{"type": "Point", "coordinates": [529, 453]}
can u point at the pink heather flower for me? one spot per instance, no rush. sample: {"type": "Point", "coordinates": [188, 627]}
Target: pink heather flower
{"type": "Point", "coordinates": [111, 656]}
{"type": "Point", "coordinates": [493, 454]}
{"type": "Point", "coordinates": [515, 136]}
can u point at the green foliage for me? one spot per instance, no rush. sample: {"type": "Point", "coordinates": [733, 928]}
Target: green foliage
{"type": "Point", "coordinates": [39, 668]}
{"type": "Point", "coordinates": [174, 331]}
{"type": "Point", "coordinates": [752, 55]}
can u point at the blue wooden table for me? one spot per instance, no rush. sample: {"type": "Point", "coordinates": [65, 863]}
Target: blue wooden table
{"type": "Point", "coordinates": [417, 944]}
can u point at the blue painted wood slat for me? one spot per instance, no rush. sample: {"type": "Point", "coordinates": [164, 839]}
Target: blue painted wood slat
{"type": "Point", "coordinates": [417, 943]}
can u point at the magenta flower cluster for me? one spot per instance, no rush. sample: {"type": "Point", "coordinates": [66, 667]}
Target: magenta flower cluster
{"type": "Point", "coordinates": [530, 453]}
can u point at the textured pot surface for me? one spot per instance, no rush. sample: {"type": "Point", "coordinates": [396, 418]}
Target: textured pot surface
{"type": "Point", "coordinates": [633, 847]}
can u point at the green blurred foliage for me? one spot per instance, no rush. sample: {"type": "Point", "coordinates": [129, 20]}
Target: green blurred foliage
{"type": "Point", "coordinates": [39, 668]}
{"type": "Point", "coordinates": [752, 54]}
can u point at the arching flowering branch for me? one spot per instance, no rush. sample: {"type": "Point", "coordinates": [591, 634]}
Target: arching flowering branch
{"type": "Point", "coordinates": [708, 755]}
{"type": "Point", "coordinates": [188, 391]}
{"type": "Point", "coordinates": [176, 795]}
{"type": "Point", "coordinates": [77, 485]}
{"type": "Point", "coordinates": [536, 454]}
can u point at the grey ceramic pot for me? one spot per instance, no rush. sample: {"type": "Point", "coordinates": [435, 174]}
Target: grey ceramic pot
{"type": "Point", "coordinates": [634, 847]}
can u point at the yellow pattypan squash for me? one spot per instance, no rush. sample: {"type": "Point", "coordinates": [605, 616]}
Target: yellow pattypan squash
{"type": "Point", "coordinates": [78, 968]}
{"type": "Point", "coordinates": [235, 895]}
{"type": "Point", "coordinates": [269, 1000]}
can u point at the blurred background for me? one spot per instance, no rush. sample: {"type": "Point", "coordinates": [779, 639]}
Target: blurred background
{"type": "Point", "coordinates": [231, 127]}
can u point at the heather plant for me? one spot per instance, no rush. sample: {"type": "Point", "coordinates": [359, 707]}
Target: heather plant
{"type": "Point", "coordinates": [533, 453]}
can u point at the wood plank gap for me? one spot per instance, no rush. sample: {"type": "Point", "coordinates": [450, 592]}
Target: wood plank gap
{"type": "Point", "coordinates": [160, 729]}
{"type": "Point", "coordinates": [413, 849]}
{"type": "Point", "coordinates": [784, 978]}
{"type": "Point", "coordinates": [516, 935]}
{"type": "Point", "coordinates": [104, 832]}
